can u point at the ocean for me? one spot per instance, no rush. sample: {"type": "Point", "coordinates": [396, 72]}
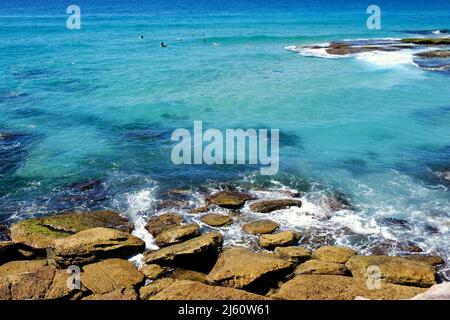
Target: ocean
{"type": "Point", "coordinates": [87, 115]}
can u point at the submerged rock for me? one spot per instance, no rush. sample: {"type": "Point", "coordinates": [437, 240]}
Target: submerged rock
{"type": "Point", "coordinates": [193, 290]}
{"type": "Point", "coordinates": [39, 233]}
{"type": "Point", "coordinates": [165, 221]}
{"type": "Point", "coordinates": [395, 270]}
{"type": "Point", "coordinates": [200, 210]}
{"type": "Point", "coordinates": [336, 254]}
{"type": "Point", "coordinates": [293, 254]}
{"type": "Point", "coordinates": [196, 253]}
{"type": "Point", "coordinates": [333, 287]}
{"type": "Point", "coordinates": [285, 238]}
{"type": "Point", "coordinates": [434, 54]}
{"type": "Point", "coordinates": [216, 220]}
{"type": "Point", "coordinates": [241, 268]}
{"type": "Point", "coordinates": [33, 280]}
{"type": "Point", "coordinates": [177, 234]}
{"type": "Point", "coordinates": [110, 275]}
{"type": "Point", "coordinates": [94, 244]}
{"type": "Point", "coordinates": [261, 227]}
{"type": "Point", "coordinates": [228, 199]}
{"type": "Point", "coordinates": [4, 233]}
{"type": "Point", "coordinates": [427, 41]}
{"type": "Point", "coordinates": [267, 206]}
{"type": "Point", "coordinates": [321, 267]}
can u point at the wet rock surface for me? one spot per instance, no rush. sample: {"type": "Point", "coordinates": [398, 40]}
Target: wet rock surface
{"type": "Point", "coordinates": [263, 226]}
{"type": "Point", "coordinates": [228, 199]}
{"type": "Point", "coordinates": [267, 206]}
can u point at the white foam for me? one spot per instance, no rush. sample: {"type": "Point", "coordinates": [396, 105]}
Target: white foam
{"type": "Point", "coordinates": [319, 52]}
{"type": "Point", "coordinates": [139, 203]}
{"type": "Point", "coordinates": [387, 58]}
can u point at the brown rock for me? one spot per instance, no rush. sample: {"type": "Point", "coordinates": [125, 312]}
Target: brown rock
{"type": "Point", "coordinates": [321, 267]}
{"type": "Point", "coordinates": [158, 224]}
{"type": "Point", "coordinates": [39, 233]}
{"type": "Point", "coordinates": [195, 253]}
{"type": "Point", "coordinates": [285, 238]}
{"type": "Point", "coordinates": [177, 234]}
{"type": "Point", "coordinates": [110, 275]}
{"type": "Point", "coordinates": [241, 268]}
{"type": "Point", "coordinates": [183, 274]}
{"type": "Point", "coordinates": [216, 220]}
{"type": "Point", "coordinates": [228, 199]}
{"type": "Point", "coordinates": [32, 280]}
{"type": "Point", "coordinates": [395, 270]}
{"type": "Point", "coordinates": [267, 206]}
{"type": "Point", "coordinates": [153, 271]}
{"type": "Point", "coordinates": [331, 287]}
{"type": "Point", "coordinates": [434, 54]}
{"type": "Point", "coordinates": [200, 210]}
{"type": "Point", "coordinates": [94, 244]}
{"type": "Point", "coordinates": [428, 259]}
{"type": "Point", "coordinates": [263, 226]}
{"type": "Point", "coordinates": [334, 254]}
{"type": "Point", "coordinates": [293, 254]}
{"type": "Point", "coordinates": [119, 294]}
{"type": "Point", "coordinates": [193, 290]}
{"type": "Point", "coordinates": [153, 288]}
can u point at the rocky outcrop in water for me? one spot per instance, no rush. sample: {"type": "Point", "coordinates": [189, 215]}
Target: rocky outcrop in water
{"type": "Point", "coordinates": [241, 268]}
{"type": "Point", "coordinates": [177, 234]}
{"type": "Point", "coordinates": [195, 253]}
{"type": "Point", "coordinates": [281, 239]}
{"type": "Point", "coordinates": [216, 220]}
{"type": "Point", "coordinates": [267, 206]}
{"type": "Point", "coordinates": [94, 244]}
{"type": "Point", "coordinates": [40, 233]}
{"type": "Point", "coordinates": [228, 199]}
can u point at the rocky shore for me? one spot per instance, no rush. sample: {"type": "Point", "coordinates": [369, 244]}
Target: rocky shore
{"type": "Point", "coordinates": [193, 263]}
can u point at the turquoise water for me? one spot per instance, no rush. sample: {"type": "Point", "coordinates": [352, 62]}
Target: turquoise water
{"type": "Point", "coordinates": [100, 104]}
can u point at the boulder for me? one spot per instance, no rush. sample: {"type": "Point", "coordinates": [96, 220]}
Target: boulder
{"type": "Point", "coordinates": [194, 290]}
{"type": "Point", "coordinates": [334, 254]}
{"type": "Point", "coordinates": [321, 267]}
{"type": "Point", "coordinates": [177, 234]}
{"type": "Point", "coordinates": [267, 206]}
{"type": "Point", "coordinates": [183, 274]}
{"type": "Point", "coordinates": [39, 233]}
{"type": "Point", "coordinates": [228, 199]}
{"type": "Point", "coordinates": [293, 254]}
{"type": "Point", "coordinates": [94, 244]}
{"type": "Point", "coordinates": [119, 294]}
{"type": "Point", "coordinates": [165, 221]}
{"type": "Point", "coordinates": [285, 238]}
{"type": "Point", "coordinates": [153, 288]}
{"type": "Point", "coordinates": [153, 271]}
{"type": "Point", "coordinates": [196, 253]}
{"type": "Point", "coordinates": [437, 292]}
{"type": "Point", "coordinates": [110, 275]}
{"type": "Point", "coordinates": [33, 280]}
{"type": "Point", "coordinates": [243, 269]}
{"type": "Point", "coordinates": [395, 270]}
{"type": "Point", "coordinates": [200, 210]}
{"type": "Point", "coordinates": [332, 287]}
{"type": "Point", "coordinates": [263, 226]}
{"type": "Point", "coordinates": [428, 259]}
{"type": "Point", "coordinates": [216, 220]}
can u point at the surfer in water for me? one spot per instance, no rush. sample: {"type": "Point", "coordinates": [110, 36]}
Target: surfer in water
{"type": "Point", "coordinates": [163, 45]}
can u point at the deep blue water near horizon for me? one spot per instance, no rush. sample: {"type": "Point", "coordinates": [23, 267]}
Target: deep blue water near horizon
{"type": "Point", "coordinates": [100, 104]}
